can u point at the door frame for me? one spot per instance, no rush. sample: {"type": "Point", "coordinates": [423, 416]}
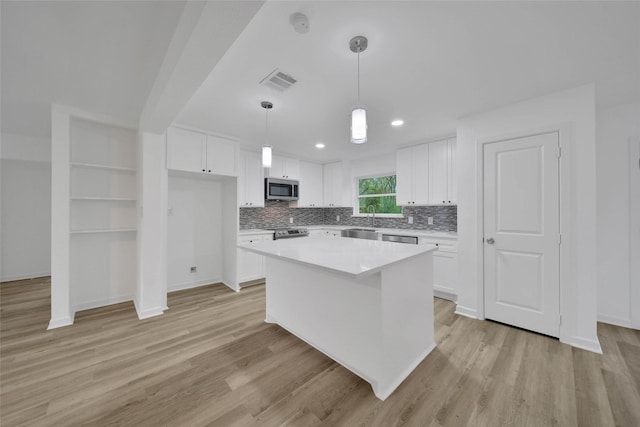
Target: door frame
{"type": "Point", "coordinates": [634, 240]}
{"type": "Point", "coordinates": [566, 141]}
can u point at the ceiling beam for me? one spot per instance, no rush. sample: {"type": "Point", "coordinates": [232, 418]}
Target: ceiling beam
{"type": "Point", "coordinates": [203, 35]}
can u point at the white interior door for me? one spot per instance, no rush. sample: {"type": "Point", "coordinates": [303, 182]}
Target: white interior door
{"type": "Point", "coordinates": [521, 233]}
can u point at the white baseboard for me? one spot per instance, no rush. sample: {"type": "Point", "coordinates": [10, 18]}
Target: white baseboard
{"type": "Point", "coordinates": [235, 288]}
{"type": "Point", "coordinates": [445, 295]}
{"type": "Point", "coordinates": [466, 311]}
{"type": "Point", "coordinates": [188, 285]}
{"type": "Point", "coordinates": [102, 302]}
{"type": "Point", "coordinates": [151, 312]}
{"type": "Point", "coordinates": [584, 343]}
{"type": "Point", "coordinates": [613, 320]}
{"type": "Point", "coordinates": [25, 276]}
{"type": "Point", "coordinates": [61, 321]}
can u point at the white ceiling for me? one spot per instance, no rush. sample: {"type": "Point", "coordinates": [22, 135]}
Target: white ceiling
{"type": "Point", "coordinates": [429, 63]}
{"type": "Point", "coordinates": [97, 55]}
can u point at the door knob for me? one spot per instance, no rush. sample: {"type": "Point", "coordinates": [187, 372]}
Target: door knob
{"type": "Point", "coordinates": [490, 241]}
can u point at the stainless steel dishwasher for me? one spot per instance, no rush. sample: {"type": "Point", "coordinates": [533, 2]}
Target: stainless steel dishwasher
{"type": "Point", "coordinates": [413, 240]}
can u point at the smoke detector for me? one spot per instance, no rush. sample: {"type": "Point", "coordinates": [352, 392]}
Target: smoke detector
{"type": "Point", "coordinates": [300, 22]}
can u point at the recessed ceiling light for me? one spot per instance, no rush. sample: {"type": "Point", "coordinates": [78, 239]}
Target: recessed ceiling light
{"type": "Point", "coordinates": [397, 122]}
{"type": "Point", "coordinates": [319, 145]}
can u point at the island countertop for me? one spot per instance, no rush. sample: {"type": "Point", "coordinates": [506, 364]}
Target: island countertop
{"type": "Point", "coordinates": [352, 257]}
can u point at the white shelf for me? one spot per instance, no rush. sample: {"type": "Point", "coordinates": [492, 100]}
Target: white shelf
{"type": "Point", "coordinates": [104, 230]}
{"type": "Point", "coordinates": [104, 199]}
{"type": "Point", "coordinates": [100, 166]}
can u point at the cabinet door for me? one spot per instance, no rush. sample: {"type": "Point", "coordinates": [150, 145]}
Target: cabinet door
{"type": "Point", "coordinates": [310, 185]}
{"type": "Point", "coordinates": [404, 176]}
{"type": "Point", "coordinates": [221, 156]}
{"type": "Point", "coordinates": [250, 180]}
{"type": "Point", "coordinates": [250, 265]}
{"type": "Point", "coordinates": [438, 165]}
{"type": "Point", "coordinates": [292, 168]}
{"type": "Point", "coordinates": [186, 150]}
{"type": "Point", "coordinates": [277, 168]}
{"type": "Point", "coordinates": [420, 174]}
{"type": "Point", "coordinates": [334, 190]}
{"type": "Point", "coordinates": [445, 271]}
{"type": "Point", "coordinates": [452, 182]}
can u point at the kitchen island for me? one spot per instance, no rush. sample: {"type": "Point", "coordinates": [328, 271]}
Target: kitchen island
{"type": "Point", "coordinates": [366, 304]}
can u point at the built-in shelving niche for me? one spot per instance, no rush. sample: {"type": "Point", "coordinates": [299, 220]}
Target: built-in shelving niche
{"type": "Point", "coordinates": [103, 196]}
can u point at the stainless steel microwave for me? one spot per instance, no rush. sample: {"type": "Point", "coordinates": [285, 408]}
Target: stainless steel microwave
{"type": "Point", "coordinates": [280, 189]}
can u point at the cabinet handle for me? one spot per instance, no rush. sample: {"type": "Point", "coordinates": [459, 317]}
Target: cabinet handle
{"type": "Point", "coordinates": [251, 204]}
{"type": "Point", "coordinates": [209, 170]}
{"type": "Point", "coordinates": [443, 202]}
{"type": "Point", "coordinates": [203, 170]}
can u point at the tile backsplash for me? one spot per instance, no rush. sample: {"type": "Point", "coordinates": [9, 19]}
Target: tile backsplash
{"type": "Point", "coordinates": [278, 214]}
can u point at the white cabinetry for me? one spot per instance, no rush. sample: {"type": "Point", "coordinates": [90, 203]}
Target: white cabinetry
{"type": "Point", "coordinates": [442, 182]}
{"type": "Point", "coordinates": [197, 152]}
{"type": "Point", "coordinates": [425, 174]}
{"type": "Point", "coordinates": [284, 167]}
{"type": "Point", "coordinates": [412, 175]}
{"type": "Point", "coordinates": [310, 186]}
{"type": "Point", "coordinates": [250, 180]}
{"type": "Point", "coordinates": [251, 265]}
{"type": "Point", "coordinates": [335, 192]}
{"type": "Point", "coordinates": [445, 266]}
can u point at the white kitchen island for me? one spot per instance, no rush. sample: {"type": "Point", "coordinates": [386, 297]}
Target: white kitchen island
{"type": "Point", "coordinates": [366, 304]}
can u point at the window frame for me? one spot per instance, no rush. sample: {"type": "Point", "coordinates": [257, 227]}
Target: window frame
{"type": "Point", "coordinates": [357, 197]}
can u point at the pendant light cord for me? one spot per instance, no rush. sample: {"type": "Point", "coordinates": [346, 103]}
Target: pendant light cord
{"type": "Point", "coordinates": [267, 126]}
{"type": "Point", "coordinates": [358, 77]}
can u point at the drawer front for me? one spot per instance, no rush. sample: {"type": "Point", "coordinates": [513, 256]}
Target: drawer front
{"type": "Point", "coordinates": [444, 245]}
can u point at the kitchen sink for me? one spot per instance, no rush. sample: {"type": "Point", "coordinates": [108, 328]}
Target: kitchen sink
{"type": "Point", "coordinates": [361, 233]}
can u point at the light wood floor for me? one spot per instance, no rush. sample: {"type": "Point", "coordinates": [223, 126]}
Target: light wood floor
{"type": "Point", "coordinates": [211, 360]}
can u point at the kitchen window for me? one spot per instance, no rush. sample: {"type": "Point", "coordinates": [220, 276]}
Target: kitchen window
{"type": "Point", "coordinates": [377, 193]}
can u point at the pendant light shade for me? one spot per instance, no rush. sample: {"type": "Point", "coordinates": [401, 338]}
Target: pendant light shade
{"type": "Point", "coordinates": [266, 148]}
{"type": "Point", "coordinates": [359, 125]}
{"type": "Point", "coordinates": [266, 156]}
{"type": "Point", "coordinates": [358, 114]}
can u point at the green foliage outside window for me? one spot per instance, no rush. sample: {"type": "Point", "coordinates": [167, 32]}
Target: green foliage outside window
{"type": "Point", "coordinates": [379, 192]}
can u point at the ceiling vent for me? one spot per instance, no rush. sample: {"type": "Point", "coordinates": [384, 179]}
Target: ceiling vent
{"type": "Point", "coordinates": [278, 80]}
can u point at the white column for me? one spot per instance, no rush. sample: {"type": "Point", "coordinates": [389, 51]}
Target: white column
{"type": "Point", "coordinates": [151, 291]}
{"type": "Point", "coordinates": [61, 312]}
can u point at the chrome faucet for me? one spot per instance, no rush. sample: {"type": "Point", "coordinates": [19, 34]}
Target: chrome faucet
{"type": "Point", "coordinates": [372, 210]}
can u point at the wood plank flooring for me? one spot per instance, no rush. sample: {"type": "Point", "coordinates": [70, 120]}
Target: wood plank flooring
{"type": "Point", "coordinates": [211, 360]}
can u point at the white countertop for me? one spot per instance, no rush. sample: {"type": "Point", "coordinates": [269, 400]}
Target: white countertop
{"type": "Point", "coordinates": [353, 257]}
{"type": "Point", "coordinates": [397, 231]}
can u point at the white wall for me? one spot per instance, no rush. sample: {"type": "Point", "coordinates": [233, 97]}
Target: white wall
{"type": "Point", "coordinates": [573, 113]}
{"type": "Point", "coordinates": [614, 127]}
{"type": "Point", "coordinates": [194, 232]}
{"type": "Point", "coordinates": [25, 207]}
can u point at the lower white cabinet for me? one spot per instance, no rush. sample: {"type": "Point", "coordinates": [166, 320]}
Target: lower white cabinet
{"type": "Point", "coordinates": [445, 266]}
{"type": "Point", "coordinates": [250, 265]}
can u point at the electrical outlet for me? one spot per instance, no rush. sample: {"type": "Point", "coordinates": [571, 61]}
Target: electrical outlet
{"type": "Point", "coordinates": [410, 220]}
{"type": "Point", "coordinates": [430, 220]}
{"type": "Point", "coordinates": [194, 269]}
{"type": "Point", "coordinates": [290, 220]}
{"type": "Point", "coordinates": [337, 218]}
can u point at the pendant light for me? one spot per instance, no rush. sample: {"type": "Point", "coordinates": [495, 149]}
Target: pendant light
{"type": "Point", "coordinates": [266, 148]}
{"type": "Point", "coordinates": [358, 114]}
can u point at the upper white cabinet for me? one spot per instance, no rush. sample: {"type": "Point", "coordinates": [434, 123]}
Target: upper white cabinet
{"type": "Point", "coordinates": [197, 152]}
{"type": "Point", "coordinates": [412, 176]}
{"type": "Point", "coordinates": [425, 174]}
{"type": "Point", "coordinates": [335, 192]}
{"type": "Point", "coordinates": [442, 176]}
{"type": "Point", "coordinates": [310, 186]}
{"type": "Point", "coordinates": [438, 165]}
{"type": "Point", "coordinates": [250, 180]}
{"type": "Point", "coordinates": [284, 167]}
{"type": "Point", "coordinates": [452, 181]}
